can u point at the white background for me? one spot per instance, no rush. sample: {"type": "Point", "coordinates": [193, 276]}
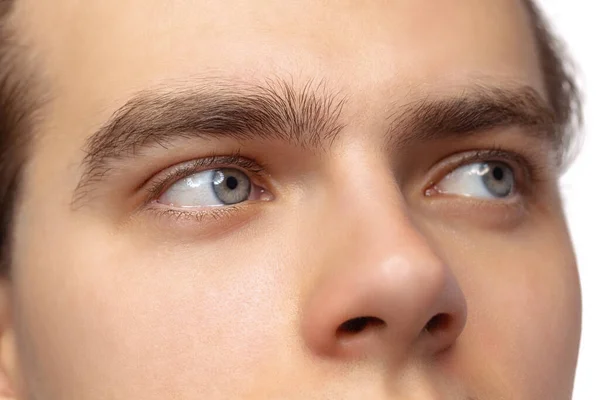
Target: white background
{"type": "Point", "coordinates": [577, 22]}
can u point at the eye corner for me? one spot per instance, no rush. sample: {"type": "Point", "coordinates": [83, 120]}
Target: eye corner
{"type": "Point", "coordinates": [431, 190]}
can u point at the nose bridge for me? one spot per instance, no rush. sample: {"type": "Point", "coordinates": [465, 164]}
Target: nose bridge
{"type": "Point", "coordinates": [381, 288]}
{"type": "Point", "coordinates": [370, 223]}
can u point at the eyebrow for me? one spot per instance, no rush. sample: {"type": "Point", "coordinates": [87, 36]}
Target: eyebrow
{"type": "Point", "coordinates": [474, 110]}
{"type": "Point", "coordinates": [308, 116]}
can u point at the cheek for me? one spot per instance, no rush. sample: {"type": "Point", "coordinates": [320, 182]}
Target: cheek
{"type": "Point", "coordinates": [140, 318]}
{"type": "Point", "coordinates": [524, 320]}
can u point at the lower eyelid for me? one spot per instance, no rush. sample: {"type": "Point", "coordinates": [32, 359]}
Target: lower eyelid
{"type": "Point", "coordinates": [197, 214]}
{"type": "Point", "coordinates": [490, 214]}
{"type": "Point", "coordinates": [258, 194]}
{"type": "Point", "coordinates": [198, 224]}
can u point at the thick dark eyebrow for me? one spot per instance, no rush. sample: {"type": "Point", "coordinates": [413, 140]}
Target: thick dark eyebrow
{"type": "Point", "coordinates": [473, 111]}
{"type": "Point", "coordinates": [307, 116]}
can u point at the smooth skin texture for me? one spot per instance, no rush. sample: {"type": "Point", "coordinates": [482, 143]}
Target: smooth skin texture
{"type": "Point", "coordinates": [117, 295]}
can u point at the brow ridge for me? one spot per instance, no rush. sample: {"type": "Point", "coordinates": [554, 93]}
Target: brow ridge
{"type": "Point", "coordinates": [473, 110]}
{"type": "Point", "coordinates": [307, 116]}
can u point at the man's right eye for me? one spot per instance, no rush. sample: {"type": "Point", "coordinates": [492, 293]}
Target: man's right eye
{"type": "Point", "coordinates": [210, 188]}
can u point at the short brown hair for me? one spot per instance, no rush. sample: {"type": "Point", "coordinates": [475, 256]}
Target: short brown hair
{"type": "Point", "coordinates": [14, 121]}
{"type": "Point", "coordinates": [559, 80]}
{"type": "Point", "coordinates": [17, 108]}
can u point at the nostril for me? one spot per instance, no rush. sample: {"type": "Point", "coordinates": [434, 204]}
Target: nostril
{"type": "Point", "coordinates": [357, 325]}
{"type": "Point", "coordinates": [439, 322]}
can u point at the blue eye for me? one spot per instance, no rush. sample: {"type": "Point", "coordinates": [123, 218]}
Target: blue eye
{"type": "Point", "coordinates": [216, 187]}
{"type": "Point", "coordinates": [488, 180]}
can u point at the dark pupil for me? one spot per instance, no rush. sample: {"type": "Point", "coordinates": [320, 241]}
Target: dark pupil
{"type": "Point", "coordinates": [231, 182]}
{"type": "Point", "coordinates": [498, 173]}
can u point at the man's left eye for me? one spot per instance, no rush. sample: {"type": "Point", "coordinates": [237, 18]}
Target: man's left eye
{"type": "Point", "coordinates": [487, 180]}
{"type": "Point", "coordinates": [215, 187]}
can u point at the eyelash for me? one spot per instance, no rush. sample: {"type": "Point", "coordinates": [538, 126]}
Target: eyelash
{"type": "Point", "coordinates": [526, 172]}
{"type": "Point", "coordinates": [197, 215]}
{"type": "Point", "coordinates": [161, 182]}
{"type": "Point", "coordinates": [155, 189]}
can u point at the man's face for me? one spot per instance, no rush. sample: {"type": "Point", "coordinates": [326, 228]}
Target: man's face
{"type": "Point", "coordinates": [290, 200]}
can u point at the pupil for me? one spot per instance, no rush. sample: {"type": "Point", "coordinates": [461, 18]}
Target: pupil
{"type": "Point", "coordinates": [231, 182]}
{"type": "Point", "coordinates": [498, 173]}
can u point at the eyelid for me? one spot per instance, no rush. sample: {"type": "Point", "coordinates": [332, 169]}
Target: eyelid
{"type": "Point", "coordinates": [160, 182]}
{"type": "Point", "coordinates": [525, 172]}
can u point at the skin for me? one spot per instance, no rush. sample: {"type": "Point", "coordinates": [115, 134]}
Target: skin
{"type": "Point", "coordinates": [116, 299]}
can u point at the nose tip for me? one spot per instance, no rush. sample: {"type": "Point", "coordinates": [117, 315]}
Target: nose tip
{"type": "Point", "coordinates": [385, 310]}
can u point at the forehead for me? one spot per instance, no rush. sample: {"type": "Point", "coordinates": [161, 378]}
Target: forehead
{"type": "Point", "coordinates": [137, 42]}
{"type": "Point", "coordinates": [95, 54]}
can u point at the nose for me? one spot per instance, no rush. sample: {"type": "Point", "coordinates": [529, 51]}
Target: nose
{"type": "Point", "coordinates": [381, 289]}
